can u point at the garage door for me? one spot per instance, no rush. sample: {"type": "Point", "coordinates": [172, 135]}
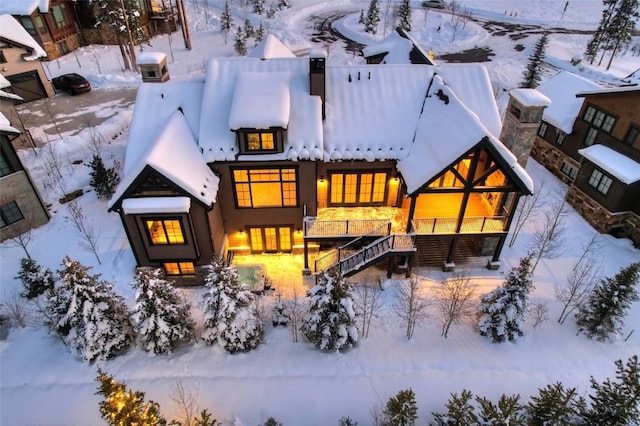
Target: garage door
{"type": "Point", "coordinates": [27, 85]}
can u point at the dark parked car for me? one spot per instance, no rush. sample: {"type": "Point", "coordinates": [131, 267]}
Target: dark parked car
{"type": "Point", "coordinates": [438, 4]}
{"type": "Point", "coordinates": [71, 83]}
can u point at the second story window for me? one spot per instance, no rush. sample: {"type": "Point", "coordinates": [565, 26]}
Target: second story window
{"type": "Point", "coordinates": [632, 135]}
{"type": "Point", "coordinates": [164, 231]}
{"type": "Point", "coordinates": [10, 213]}
{"type": "Point", "coordinates": [542, 130]}
{"type": "Point", "coordinates": [560, 136]}
{"type": "Point", "coordinates": [263, 141]}
{"type": "Point", "coordinates": [254, 141]}
{"type": "Point", "coordinates": [27, 23]}
{"type": "Point", "coordinates": [599, 119]}
{"type": "Point", "coordinates": [59, 16]}
{"type": "Point", "coordinates": [600, 181]}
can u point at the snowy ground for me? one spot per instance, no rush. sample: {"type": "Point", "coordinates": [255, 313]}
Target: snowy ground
{"type": "Point", "coordinates": [42, 383]}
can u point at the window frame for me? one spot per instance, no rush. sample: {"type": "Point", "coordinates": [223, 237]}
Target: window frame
{"type": "Point", "coordinates": [357, 187]}
{"type": "Point", "coordinates": [162, 220]}
{"type": "Point", "coordinates": [245, 186]}
{"type": "Point", "coordinates": [184, 268]}
{"type": "Point", "coordinates": [6, 168]}
{"type": "Point", "coordinates": [568, 170]}
{"type": "Point", "coordinates": [632, 134]}
{"type": "Point", "coordinates": [277, 137]}
{"type": "Point", "coordinates": [599, 119]}
{"type": "Point", "coordinates": [15, 217]}
{"type": "Point", "coordinates": [600, 181]}
{"type": "Point", "coordinates": [560, 135]}
{"type": "Point", "coordinates": [591, 136]}
{"type": "Point", "coordinates": [542, 130]}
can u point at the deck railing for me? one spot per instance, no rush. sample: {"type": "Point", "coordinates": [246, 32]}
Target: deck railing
{"type": "Point", "coordinates": [447, 225]}
{"type": "Point", "coordinates": [313, 227]}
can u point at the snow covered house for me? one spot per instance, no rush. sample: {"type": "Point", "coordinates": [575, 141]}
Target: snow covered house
{"type": "Point", "coordinates": [590, 138]}
{"type": "Point", "coordinates": [348, 164]}
{"type": "Point", "coordinates": [20, 63]}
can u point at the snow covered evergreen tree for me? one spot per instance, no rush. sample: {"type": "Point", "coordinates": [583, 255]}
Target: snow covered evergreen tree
{"type": "Point", "coordinates": [556, 405]}
{"type": "Point", "coordinates": [508, 411]}
{"type": "Point", "coordinates": [460, 411]}
{"type": "Point", "coordinates": [404, 13]}
{"type": "Point", "coordinates": [161, 317]}
{"type": "Point", "coordinates": [103, 180]}
{"type": "Point", "coordinates": [621, 27]}
{"type": "Point", "coordinates": [258, 6]}
{"type": "Point", "coordinates": [279, 315]}
{"type": "Point", "coordinates": [331, 322]}
{"type": "Point", "coordinates": [533, 72]}
{"type": "Point", "coordinates": [35, 280]}
{"type": "Point", "coordinates": [226, 21]}
{"type": "Point", "coordinates": [259, 33]}
{"type": "Point", "coordinates": [617, 403]}
{"type": "Point", "coordinates": [284, 4]}
{"type": "Point", "coordinates": [230, 316]}
{"type": "Point", "coordinates": [361, 19]}
{"type": "Point", "coordinates": [240, 44]}
{"type": "Point", "coordinates": [120, 406]}
{"type": "Point", "coordinates": [602, 315]}
{"type": "Point", "coordinates": [502, 311]}
{"type": "Point", "coordinates": [249, 30]}
{"type": "Point", "coordinates": [87, 314]}
{"type": "Point", "coordinates": [373, 17]}
{"type": "Point", "coordinates": [402, 410]}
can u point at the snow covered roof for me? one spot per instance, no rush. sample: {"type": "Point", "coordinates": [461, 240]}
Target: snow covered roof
{"type": "Point", "coordinates": [561, 89]}
{"type": "Point", "coordinates": [5, 125]}
{"type": "Point", "coordinates": [150, 58]}
{"type": "Point", "coordinates": [619, 165]}
{"type": "Point", "coordinates": [445, 132]}
{"type": "Point", "coordinates": [394, 45]}
{"type": "Point", "coordinates": [530, 97]}
{"type": "Point", "coordinates": [12, 31]}
{"type": "Point", "coordinates": [304, 131]}
{"type": "Point", "coordinates": [270, 47]}
{"type": "Point", "coordinates": [165, 140]}
{"type": "Point", "coordinates": [4, 83]}
{"type": "Point", "coordinates": [23, 7]}
{"type": "Point", "coordinates": [260, 101]}
{"type": "Point", "coordinates": [156, 205]}
{"type": "Point", "coordinates": [610, 90]}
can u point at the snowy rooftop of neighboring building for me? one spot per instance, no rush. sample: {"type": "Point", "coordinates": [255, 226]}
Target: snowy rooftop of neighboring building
{"type": "Point", "coordinates": [11, 30]}
{"type": "Point", "coordinates": [395, 46]}
{"type": "Point", "coordinates": [270, 47]}
{"type": "Point", "coordinates": [561, 89]}
{"type": "Point", "coordinates": [5, 125]}
{"type": "Point", "coordinates": [530, 97]}
{"type": "Point", "coordinates": [619, 165]}
{"type": "Point", "coordinates": [23, 7]}
{"type": "Point", "coordinates": [150, 58]}
{"type": "Point", "coordinates": [610, 90]}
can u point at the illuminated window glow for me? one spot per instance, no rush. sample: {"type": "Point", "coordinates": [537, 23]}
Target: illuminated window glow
{"type": "Point", "coordinates": [260, 141]}
{"type": "Point", "coordinates": [179, 268]}
{"type": "Point", "coordinates": [359, 188]}
{"type": "Point", "coordinates": [266, 187]}
{"type": "Point", "coordinates": [165, 231]}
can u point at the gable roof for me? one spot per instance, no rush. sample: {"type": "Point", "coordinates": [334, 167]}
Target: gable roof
{"type": "Point", "coordinates": [12, 32]}
{"type": "Point", "coordinates": [270, 47]}
{"type": "Point", "coordinates": [23, 7]}
{"type": "Point", "coordinates": [619, 165]}
{"type": "Point", "coordinates": [446, 131]}
{"type": "Point", "coordinates": [561, 89]}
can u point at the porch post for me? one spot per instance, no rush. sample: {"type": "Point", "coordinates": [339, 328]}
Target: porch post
{"type": "Point", "coordinates": [390, 267]}
{"type": "Point", "coordinates": [306, 270]}
{"type": "Point", "coordinates": [412, 210]}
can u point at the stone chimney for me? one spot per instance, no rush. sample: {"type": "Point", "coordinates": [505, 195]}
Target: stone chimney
{"type": "Point", "coordinates": [153, 67]}
{"type": "Point", "coordinates": [317, 75]}
{"type": "Point", "coordinates": [521, 121]}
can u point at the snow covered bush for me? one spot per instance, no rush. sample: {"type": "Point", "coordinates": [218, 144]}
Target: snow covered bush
{"type": "Point", "coordinates": [331, 321]}
{"type": "Point", "coordinates": [230, 316]}
{"type": "Point", "coordinates": [602, 314]}
{"type": "Point", "coordinates": [35, 280]}
{"type": "Point", "coordinates": [502, 312]}
{"type": "Point", "coordinates": [87, 314]}
{"type": "Point", "coordinates": [161, 316]}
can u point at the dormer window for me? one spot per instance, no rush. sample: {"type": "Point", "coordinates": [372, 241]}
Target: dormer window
{"type": "Point", "coordinates": [254, 141]}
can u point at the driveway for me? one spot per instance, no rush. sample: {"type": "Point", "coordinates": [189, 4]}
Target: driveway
{"type": "Point", "coordinates": [48, 119]}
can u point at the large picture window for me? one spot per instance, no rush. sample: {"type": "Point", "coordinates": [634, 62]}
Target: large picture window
{"type": "Point", "coordinates": [10, 213]}
{"type": "Point", "coordinates": [255, 188]}
{"type": "Point", "coordinates": [358, 188]}
{"type": "Point", "coordinates": [164, 231]}
{"type": "Point", "coordinates": [600, 181]}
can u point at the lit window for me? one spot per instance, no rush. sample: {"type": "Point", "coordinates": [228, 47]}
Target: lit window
{"type": "Point", "coordinates": [10, 213]}
{"type": "Point", "coordinates": [179, 268]}
{"type": "Point", "coordinates": [260, 141]}
{"type": "Point", "coordinates": [358, 188]}
{"type": "Point", "coordinates": [165, 231]}
{"type": "Point", "coordinates": [266, 187]}
{"type": "Point", "coordinates": [542, 130]}
{"type": "Point", "coordinates": [600, 181]}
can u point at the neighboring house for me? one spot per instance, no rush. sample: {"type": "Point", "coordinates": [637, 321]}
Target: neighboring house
{"type": "Point", "coordinates": [399, 47]}
{"type": "Point", "coordinates": [21, 207]}
{"type": "Point", "coordinates": [20, 62]}
{"type": "Point", "coordinates": [289, 155]}
{"type": "Point", "coordinates": [590, 138]}
{"type": "Point", "coordinates": [61, 26]}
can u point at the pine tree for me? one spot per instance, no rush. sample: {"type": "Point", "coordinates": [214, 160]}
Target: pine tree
{"type": "Point", "coordinates": [35, 280]}
{"type": "Point", "coordinates": [533, 72]}
{"type": "Point", "coordinates": [373, 17]}
{"type": "Point", "coordinates": [249, 30]}
{"type": "Point", "coordinates": [404, 13]}
{"type": "Point", "coordinates": [121, 406]}
{"type": "Point", "coordinates": [205, 418]}
{"type": "Point", "coordinates": [361, 19]}
{"type": "Point", "coordinates": [279, 315]}
{"type": "Point", "coordinates": [556, 405]}
{"type": "Point", "coordinates": [161, 317]}
{"type": "Point", "coordinates": [226, 21]}
{"type": "Point", "coordinates": [104, 181]}
{"type": "Point", "coordinates": [621, 28]}
{"type": "Point", "coordinates": [258, 6]}
{"type": "Point", "coordinates": [240, 44]}
{"type": "Point", "coordinates": [230, 316]}
{"type": "Point", "coordinates": [331, 322]}
{"type": "Point", "coordinates": [87, 314]}
{"type": "Point", "coordinates": [284, 4]}
{"type": "Point", "coordinates": [460, 411]}
{"type": "Point", "coordinates": [508, 411]}
{"type": "Point", "coordinates": [259, 33]}
{"type": "Point", "coordinates": [600, 35]}
{"type": "Point", "coordinates": [502, 311]}
{"type": "Point", "coordinates": [602, 315]}
{"type": "Point", "coordinates": [402, 410]}
{"type": "Point", "coordinates": [617, 403]}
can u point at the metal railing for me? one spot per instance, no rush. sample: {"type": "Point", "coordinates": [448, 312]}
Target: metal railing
{"type": "Point", "coordinates": [313, 227]}
{"type": "Point", "coordinates": [391, 243]}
